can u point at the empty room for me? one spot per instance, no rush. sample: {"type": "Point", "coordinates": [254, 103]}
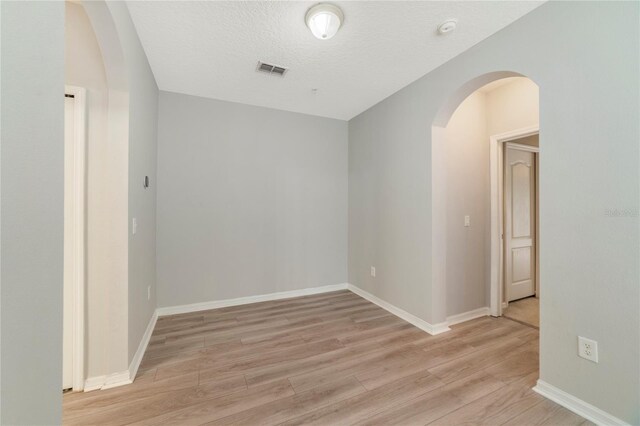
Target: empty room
{"type": "Point", "coordinates": [330, 213]}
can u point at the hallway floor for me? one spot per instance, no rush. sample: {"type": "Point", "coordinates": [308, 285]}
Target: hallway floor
{"type": "Point", "coordinates": [524, 310]}
{"type": "Point", "coordinates": [326, 359]}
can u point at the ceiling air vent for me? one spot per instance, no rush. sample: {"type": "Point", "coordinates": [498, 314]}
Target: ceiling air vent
{"type": "Point", "coordinates": [271, 69]}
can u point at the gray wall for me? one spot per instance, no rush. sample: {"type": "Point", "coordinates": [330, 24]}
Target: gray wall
{"type": "Point", "coordinates": [32, 85]}
{"type": "Point", "coordinates": [468, 194]}
{"type": "Point", "coordinates": [250, 200]}
{"type": "Point", "coordinates": [589, 108]}
{"type": "Point", "coordinates": [143, 127]}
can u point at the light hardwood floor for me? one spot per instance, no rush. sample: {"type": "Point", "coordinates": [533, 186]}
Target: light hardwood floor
{"type": "Point", "coordinates": [330, 359]}
{"type": "Point", "coordinates": [524, 310]}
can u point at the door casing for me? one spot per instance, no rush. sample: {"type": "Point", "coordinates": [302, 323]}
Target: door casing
{"type": "Point", "coordinates": [78, 233]}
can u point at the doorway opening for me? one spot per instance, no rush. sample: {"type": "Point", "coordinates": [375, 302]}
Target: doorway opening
{"type": "Point", "coordinates": [486, 122]}
{"type": "Point", "coordinates": [74, 238]}
{"type": "Point", "coordinates": [515, 259]}
{"type": "Point", "coordinates": [94, 61]}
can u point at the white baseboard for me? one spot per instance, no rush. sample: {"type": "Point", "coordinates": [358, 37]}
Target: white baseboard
{"type": "Point", "coordinates": [468, 316]}
{"type": "Point", "coordinates": [137, 357]}
{"type": "Point", "coordinates": [578, 406]}
{"type": "Point", "coordinates": [204, 306]}
{"type": "Point", "coordinates": [124, 377]}
{"type": "Point", "coordinates": [94, 383]}
{"type": "Point", "coordinates": [117, 379]}
{"type": "Point", "coordinates": [107, 381]}
{"type": "Point", "coordinates": [215, 304]}
{"type": "Point", "coordinates": [410, 318]}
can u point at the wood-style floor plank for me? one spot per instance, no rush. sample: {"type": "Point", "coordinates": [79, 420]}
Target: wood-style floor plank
{"type": "Point", "coordinates": [360, 407]}
{"type": "Point", "coordinates": [432, 405]}
{"type": "Point", "coordinates": [296, 405]}
{"type": "Point", "coordinates": [162, 403]}
{"type": "Point", "coordinates": [495, 408]}
{"type": "Point", "coordinates": [547, 412]}
{"type": "Point", "coordinates": [325, 359]}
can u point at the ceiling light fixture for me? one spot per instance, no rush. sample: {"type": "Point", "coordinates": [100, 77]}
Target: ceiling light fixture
{"type": "Point", "coordinates": [324, 20]}
{"type": "Point", "coordinates": [447, 26]}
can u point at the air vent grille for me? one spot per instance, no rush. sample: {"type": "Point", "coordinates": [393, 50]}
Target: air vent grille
{"type": "Point", "coordinates": [271, 69]}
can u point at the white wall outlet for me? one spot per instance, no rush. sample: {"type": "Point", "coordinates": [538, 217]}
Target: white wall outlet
{"type": "Point", "coordinates": [588, 349]}
{"type": "Point", "coordinates": [467, 220]}
{"type": "Point", "coordinates": [148, 292]}
{"type": "Point", "coordinates": [373, 271]}
{"type": "Point", "coordinates": [134, 226]}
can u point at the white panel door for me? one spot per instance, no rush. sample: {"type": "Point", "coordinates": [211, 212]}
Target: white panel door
{"type": "Point", "coordinates": [520, 213]}
{"type": "Point", "coordinates": [67, 303]}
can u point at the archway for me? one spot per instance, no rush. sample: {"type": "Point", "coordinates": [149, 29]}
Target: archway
{"type": "Point", "coordinates": [474, 266]}
{"type": "Point", "coordinates": [95, 61]}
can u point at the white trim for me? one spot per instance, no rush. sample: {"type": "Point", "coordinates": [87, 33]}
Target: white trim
{"type": "Point", "coordinates": [215, 304]}
{"type": "Point", "coordinates": [79, 231]}
{"type": "Point", "coordinates": [468, 316]}
{"type": "Point", "coordinates": [495, 154]}
{"type": "Point", "coordinates": [578, 406]}
{"type": "Point", "coordinates": [94, 383]}
{"type": "Point", "coordinates": [410, 318]}
{"type": "Point", "coordinates": [117, 379]}
{"type": "Point", "coordinates": [522, 147]}
{"type": "Point", "coordinates": [107, 381]}
{"type": "Point", "coordinates": [142, 347]}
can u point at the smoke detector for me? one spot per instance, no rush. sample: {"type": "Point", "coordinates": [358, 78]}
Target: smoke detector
{"type": "Point", "coordinates": [447, 26]}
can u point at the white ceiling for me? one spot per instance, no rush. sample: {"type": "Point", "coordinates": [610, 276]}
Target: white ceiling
{"type": "Point", "coordinates": [211, 48]}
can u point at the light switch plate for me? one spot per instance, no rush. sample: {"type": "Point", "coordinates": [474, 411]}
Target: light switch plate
{"type": "Point", "coordinates": [373, 271]}
{"type": "Point", "coordinates": [134, 226]}
{"type": "Point", "coordinates": [467, 221]}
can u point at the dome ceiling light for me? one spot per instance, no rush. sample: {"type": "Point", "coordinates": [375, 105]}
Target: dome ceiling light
{"type": "Point", "coordinates": [324, 20]}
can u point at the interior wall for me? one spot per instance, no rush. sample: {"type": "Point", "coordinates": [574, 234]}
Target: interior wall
{"type": "Point", "coordinates": [585, 285]}
{"type": "Point", "coordinates": [142, 158]}
{"type": "Point", "coordinates": [513, 106]}
{"type": "Point", "coordinates": [467, 153]}
{"type": "Point", "coordinates": [31, 212]}
{"type": "Point", "coordinates": [127, 153]}
{"type": "Point", "coordinates": [251, 200]}
{"type": "Point", "coordinates": [84, 67]}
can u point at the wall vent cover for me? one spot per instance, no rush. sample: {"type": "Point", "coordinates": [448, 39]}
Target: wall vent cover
{"type": "Point", "coordinates": [271, 69]}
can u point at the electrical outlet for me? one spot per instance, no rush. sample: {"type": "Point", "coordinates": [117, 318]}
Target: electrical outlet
{"type": "Point", "coordinates": [373, 271]}
{"type": "Point", "coordinates": [134, 226]}
{"type": "Point", "coordinates": [148, 292]}
{"type": "Point", "coordinates": [588, 349]}
{"type": "Point", "coordinates": [467, 221]}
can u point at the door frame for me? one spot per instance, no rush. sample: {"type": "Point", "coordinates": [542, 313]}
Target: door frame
{"type": "Point", "coordinates": [79, 171]}
{"type": "Point", "coordinates": [497, 215]}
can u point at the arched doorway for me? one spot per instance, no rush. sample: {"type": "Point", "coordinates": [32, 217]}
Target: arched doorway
{"type": "Point", "coordinates": [95, 63]}
{"type": "Point", "coordinates": [472, 264]}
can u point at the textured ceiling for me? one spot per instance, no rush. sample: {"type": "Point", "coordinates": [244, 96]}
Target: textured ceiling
{"type": "Point", "coordinates": [211, 48]}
